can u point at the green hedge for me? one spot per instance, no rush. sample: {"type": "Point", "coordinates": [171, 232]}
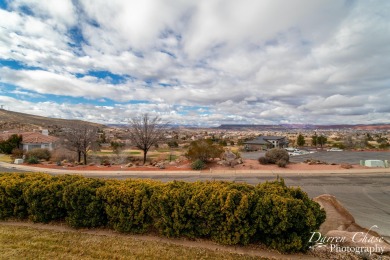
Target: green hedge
{"type": "Point", "coordinates": [127, 204]}
{"type": "Point", "coordinates": [84, 208]}
{"type": "Point", "coordinates": [228, 213]}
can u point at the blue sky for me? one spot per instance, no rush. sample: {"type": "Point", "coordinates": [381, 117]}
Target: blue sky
{"type": "Point", "coordinates": [205, 62]}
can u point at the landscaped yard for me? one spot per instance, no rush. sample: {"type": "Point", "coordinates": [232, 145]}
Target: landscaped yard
{"type": "Point", "coordinates": [31, 243]}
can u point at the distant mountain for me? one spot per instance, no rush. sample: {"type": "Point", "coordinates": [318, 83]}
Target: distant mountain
{"type": "Point", "coordinates": [286, 127]}
{"type": "Point", "coordinates": [10, 120]}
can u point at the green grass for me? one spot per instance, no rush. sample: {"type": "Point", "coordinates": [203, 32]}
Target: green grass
{"type": "Point", "coordinates": [133, 152]}
{"type": "Point", "coordinates": [31, 243]}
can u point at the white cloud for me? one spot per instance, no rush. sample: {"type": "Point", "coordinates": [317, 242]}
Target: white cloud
{"type": "Point", "coordinates": [57, 13]}
{"type": "Point", "coordinates": [246, 61]}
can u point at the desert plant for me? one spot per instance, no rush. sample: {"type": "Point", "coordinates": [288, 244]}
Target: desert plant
{"type": "Point", "coordinates": [173, 144]}
{"type": "Point", "coordinates": [39, 153]}
{"type": "Point", "coordinates": [117, 147]}
{"type": "Point", "coordinates": [32, 160]}
{"type": "Point", "coordinates": [277, 154]}
{"type": "Point", "coordinates": [281, 163]}
{"type": "Point", "coordinates": [263, 160]}
{"type": "Point", "coordinates": [203, 150]}
{"type": "Point", "coordinates": [17, 153]}
{"type": "Point", "coordinates": [61, 154]}
{"type": "Point", "coordinates": [237, 153]}
{"type": "Point", "coordinates": [198, 165]}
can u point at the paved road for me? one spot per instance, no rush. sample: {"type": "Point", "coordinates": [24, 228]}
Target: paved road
{"type": "Point", "coordinates": [330, 157]}
{"type": "Point", "coordinates": [5, 169]}
{"type": "Point", "coordinates": [366, 196]}
{"type": "Point", "coordinates": [342, 157]}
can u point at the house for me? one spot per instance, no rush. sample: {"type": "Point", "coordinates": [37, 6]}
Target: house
{"type": "Point", "coordinates": [33, 140]}
{"type": "Point", "coordinates": [266, 142]}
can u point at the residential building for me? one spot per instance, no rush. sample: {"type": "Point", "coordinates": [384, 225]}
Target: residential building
{"type": "Point", "coordinates": [33, 140]}
{"type": "Point", "coordinates": [266, 142]}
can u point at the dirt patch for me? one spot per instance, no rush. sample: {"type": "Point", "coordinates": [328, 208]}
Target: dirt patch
{"type": "Point", "coordinates": [183, 166]}
{"type": "Point", "coordinates": [186, 165]}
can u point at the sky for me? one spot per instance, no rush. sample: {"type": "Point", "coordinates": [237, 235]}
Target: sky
{"type": "Point", "coordinates": [204, 62]}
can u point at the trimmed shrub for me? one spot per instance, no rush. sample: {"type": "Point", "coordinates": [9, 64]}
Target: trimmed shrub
{"type": "Point", "coordinates": [281, 163]}
{"type": "Point", "coordinates": [228, 210]}
{"type": "Point", "coordinates": [263, 160]}
{"type": "Point", "coordinates": [32, 160]}
{"type": "Point", "coordinates": [39, 153]}
{"type": "Point", "coordinates": [44, 197]}
{"type": "Point", "coordinates": [84, 208]}
{"type": "Point", "coordinates": [127, 204]}
{"type": "Point", "coordinates": [198, 165]}
{"type": "Point", "coordinates": [228, 213]}
{"type": "Point", "coordinates": [284, 217]}
{"type": "Point", "coordinates": [171, 215]}
{"type": "Point", "coordinates": [12, 186]}
{"type": "Point", "coordinates": [277, 154]}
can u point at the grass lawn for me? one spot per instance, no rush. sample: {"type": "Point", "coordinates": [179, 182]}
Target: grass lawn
{"type": "Point", "coordinates": [31, 243]}
{"type": "Point", "coordinates": [5, 158]}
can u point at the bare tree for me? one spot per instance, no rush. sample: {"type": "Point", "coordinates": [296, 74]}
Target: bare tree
{"type": "Point", "coordinates": [146, 132]}
{"type": "Point", "coordinates": [81, 139]}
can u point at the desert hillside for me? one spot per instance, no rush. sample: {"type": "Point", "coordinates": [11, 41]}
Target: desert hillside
{"type": "Point", "coordinates": [10, 120]}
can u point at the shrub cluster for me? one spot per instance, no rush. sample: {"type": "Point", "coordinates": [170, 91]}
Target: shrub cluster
{"type": "Point", "coordinates": [32, 160]}
{"type": "Point", "coordinates": [39, 153]}
{"type": "Point", "coordinates": [61, 154]}
{"type": "Point", "coordinates": [14, 141]}
{"type": "Point", "coordinates": [229, 213]}
{"type": "Point", "coordinates": [276, 156]}
{"type": "Point", "coordinates": [204, 150]}
{"type": "Point", "coordinates": [17, 153]}
{"type": "Point", "coordinates": [198, 165]}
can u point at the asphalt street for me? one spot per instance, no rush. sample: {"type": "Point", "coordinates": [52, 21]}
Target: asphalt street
{"type": "Point", "coordinates": [330, 157]}
{"type": "Point", "coordinates": [366, 196]}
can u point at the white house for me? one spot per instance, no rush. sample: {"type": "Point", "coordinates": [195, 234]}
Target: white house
{"type": "Point", "coordinates": [33, 140]}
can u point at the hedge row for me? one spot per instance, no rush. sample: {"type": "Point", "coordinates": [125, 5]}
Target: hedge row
{"type": "Point", "coordinates": [228, 213]}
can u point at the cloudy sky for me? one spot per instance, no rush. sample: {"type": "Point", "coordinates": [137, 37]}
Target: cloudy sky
{"type": "Point", "coordinates": [205, 62]}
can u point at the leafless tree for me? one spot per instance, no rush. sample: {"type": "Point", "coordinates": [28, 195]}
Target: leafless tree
{"type": "Point", "coordinates": [81, 139]}
{"type": "Point", "coordinates": [146, 132]}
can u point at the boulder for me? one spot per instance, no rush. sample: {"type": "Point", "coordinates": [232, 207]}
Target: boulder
{"type": "Point", "coordinates": [233, 163]}
{"type": "Point", "coordinates": [18, 161]}
{"type": "Point", "coordinates": [228, 156]}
